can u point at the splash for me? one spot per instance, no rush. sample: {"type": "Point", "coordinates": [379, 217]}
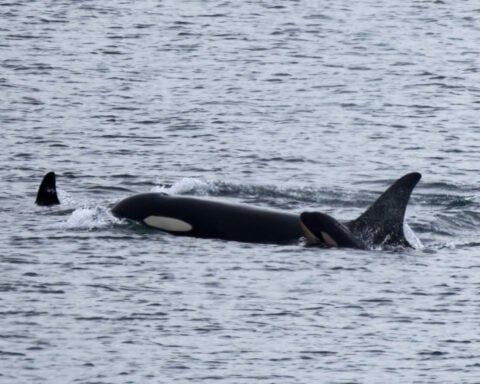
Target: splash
{"type": "Point", "coordinates": [188, 186]}
{"type": "Point", "coordinates": [411, 237]}
{"type": "Point", "coordinates": [89, 218]}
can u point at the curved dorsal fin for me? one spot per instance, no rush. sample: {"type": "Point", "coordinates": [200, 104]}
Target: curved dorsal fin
{"type": "Point", "coordinates": [382, 223]}
{"type": "Point", "coordinates": [47, 192]}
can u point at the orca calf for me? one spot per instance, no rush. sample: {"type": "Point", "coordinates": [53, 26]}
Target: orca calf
{"type": "Point", "coordinates": [380, 225]}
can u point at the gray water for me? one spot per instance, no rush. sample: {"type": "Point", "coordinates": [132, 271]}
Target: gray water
{"type": "Point", "coordinates": [291, 105]}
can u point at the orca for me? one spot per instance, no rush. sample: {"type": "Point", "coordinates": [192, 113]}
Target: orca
{"type": "Point", "coordinates": [204, 218]}
{"type": "Point", "coordinates": [380, 225]}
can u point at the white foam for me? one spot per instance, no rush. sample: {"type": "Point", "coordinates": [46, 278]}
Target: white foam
{"type": "Point", "coordinates": [65, 198]}
{"type": "Point", "coordinates": [71, 201]}
{"type": "Point", "coordinates": [187, 185]}
{"type": "Point", "coordinates": [411, 237]}
{"type": "Point", "coordinates": [89, 218]}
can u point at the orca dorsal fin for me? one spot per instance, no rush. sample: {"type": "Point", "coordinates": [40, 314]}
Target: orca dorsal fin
{"type": "Point", "coordinates": [382, 223]}
{"type": "Point", "coordinates": [47, 192]}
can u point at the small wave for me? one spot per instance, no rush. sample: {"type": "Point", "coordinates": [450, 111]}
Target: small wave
{"type": "Point", "coordinates": [467, 244]}
{"type": "Point", "coordinates": [89, 218]}
{"type": "Point", "coordinates": [69, 201]}
{"type": "Point", "coordinates": [457, 220]}
{"type": "Point", "coordinates": [188, 186]}
{"type": "Point", "coordinates": [448, 201]}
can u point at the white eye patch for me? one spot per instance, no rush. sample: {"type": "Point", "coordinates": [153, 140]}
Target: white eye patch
{"type": "Point", "coordinates": [168, 224]}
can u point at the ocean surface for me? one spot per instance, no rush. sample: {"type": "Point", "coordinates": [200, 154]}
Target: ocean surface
{"type": "Point", "coordinates": [291, 105]}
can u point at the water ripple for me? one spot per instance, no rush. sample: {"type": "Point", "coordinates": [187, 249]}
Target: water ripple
{"type": "Point", "coordinates": [285, 106]}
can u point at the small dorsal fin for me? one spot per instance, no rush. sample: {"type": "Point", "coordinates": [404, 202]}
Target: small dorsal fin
{"type": "Point", "coordinates": [47, 192]}
{"type": "Point", "coordinates": [382, 223]}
